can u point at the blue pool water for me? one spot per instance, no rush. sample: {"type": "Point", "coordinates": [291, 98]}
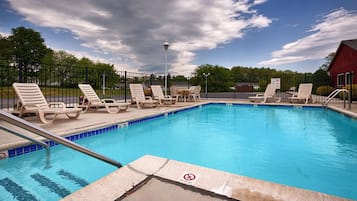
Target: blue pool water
{"type": "Point", "coordinates": [310, 148]}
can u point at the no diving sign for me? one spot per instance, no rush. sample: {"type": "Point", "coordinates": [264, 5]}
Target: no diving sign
{"type": "Point", "coordinates": [188, 178]}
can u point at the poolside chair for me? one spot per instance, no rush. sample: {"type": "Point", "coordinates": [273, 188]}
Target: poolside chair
{"type": "Point", "coordinates": [138, 97]}
{"type": "Point", "coordinates": [31, 100]}
{"type": "Point", "coordinates": [158, 95]}
{"type": "Point", "coordinates": [174, 92]}
{"type": "Point", "coordinates": [269, 94]}
{"type": "Point", "coordinates": [91, 100]}
{"type": "Point", "coordinates": [303, 94]}
{"type": "Point", "coordinates": [195, 93]}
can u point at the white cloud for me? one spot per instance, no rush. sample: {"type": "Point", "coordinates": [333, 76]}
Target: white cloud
{"type": "Point", "coordinates": [256, 2]}
{"type": "Point", "coordinates": [4, 34]}
{"type": "Point", "coordinates": [136, 29]}
{"type": "Point", "coordinates": [325, 36]}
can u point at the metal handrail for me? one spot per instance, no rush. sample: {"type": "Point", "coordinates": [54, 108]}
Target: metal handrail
{"type": "Point", "coordinates": [60, 140]}
{"type": "Point", "coordinates": [32, 140]}
{"type": "Point", "coordinates": [334, 94]}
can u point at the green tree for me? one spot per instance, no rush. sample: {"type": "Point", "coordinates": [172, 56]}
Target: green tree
{"type": "Point", "coordinates": [328, 60]}
{"type": "Point", "coordinates": [219, 79]}
{"type": "Point", "coordinates": [6, 50]}
{"type": "Point", "coordinates": [321, 78]}
{"type": "Point", "coordinates": [8, 72]}
{"type": "Point", "coordinates": [28, 49]}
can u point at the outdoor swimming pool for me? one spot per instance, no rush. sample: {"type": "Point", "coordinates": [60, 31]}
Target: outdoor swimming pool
{"type": "Point", "coordinates": [310, 148]}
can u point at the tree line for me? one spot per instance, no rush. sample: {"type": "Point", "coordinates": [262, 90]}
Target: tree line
{"type": "Point", "coordinates": [25, 53]}
{"type": "Point", "coordinates": [222, 79]}
{"type": "Point", "coordinates": [25, 50]}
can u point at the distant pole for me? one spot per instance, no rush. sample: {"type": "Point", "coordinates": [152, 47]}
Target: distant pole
{"type": "Point", "coordinates": [166, 46]}
{"type": "Point", "coordinates": [206, 75]}
{"type": "Point", "coordinates": [103, 85]}
{"type": "Point", "coordinates": [125, 86]}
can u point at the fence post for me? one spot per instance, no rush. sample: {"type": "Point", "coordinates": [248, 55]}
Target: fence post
{"type": "Point", "coordinates": [151, 78]}
{"type": "Point", "coordinates": [125, 85]}
{"type": "Point", "coordinates": [20, 72]}
{"type": "Point", "coordinates": [86, 74]}
{"type": "Point", "coordinates": [351, 85]}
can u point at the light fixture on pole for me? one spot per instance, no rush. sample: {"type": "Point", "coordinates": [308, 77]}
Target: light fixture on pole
{"type": "Point", "coordinates": [206, 75]}
{"type": "Point", "coordinates": [166, 46]}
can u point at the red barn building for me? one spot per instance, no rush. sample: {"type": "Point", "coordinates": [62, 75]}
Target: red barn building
{"type": "Point", "coordinates": [344, 64]}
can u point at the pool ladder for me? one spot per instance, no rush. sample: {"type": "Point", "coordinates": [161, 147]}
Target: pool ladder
{"type": "Point", "coordinates": [51, 136]}
{"type": "Point", "coordinates": [334, 94]}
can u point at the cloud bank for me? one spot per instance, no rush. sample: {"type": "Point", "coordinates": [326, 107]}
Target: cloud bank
{"type": "Point", "coordinates": [132, 32]}
{"type": "Point", "coordinates": [323, 39]}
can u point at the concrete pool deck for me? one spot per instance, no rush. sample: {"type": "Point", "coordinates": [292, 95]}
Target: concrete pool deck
{"type": "Point", "coordinates": [150, 175]}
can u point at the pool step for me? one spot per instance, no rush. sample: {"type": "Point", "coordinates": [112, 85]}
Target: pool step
{"type": "Point", "coordinates": [51, 185]}
{"type": "Point", "coordinates": [17, 191]}
{"type": "Point", "coordinates": [77, 180]}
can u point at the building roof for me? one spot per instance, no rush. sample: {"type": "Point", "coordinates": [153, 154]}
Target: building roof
{"type": "Point", "coordinates": [350, 43]}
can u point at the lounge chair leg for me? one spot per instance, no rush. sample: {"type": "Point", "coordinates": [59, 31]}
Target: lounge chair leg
{"type": "Point", "coordinates": [124, 108]}
{"type": "Point", "coordinates": [75, 115]}
{"type": "Point", "coordinates": [43, 118]}
{"type": "Point", "coordinates": [111, 110]}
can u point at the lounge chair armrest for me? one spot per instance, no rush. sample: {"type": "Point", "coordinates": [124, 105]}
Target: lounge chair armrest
{"type": "Point", "coordinates": [259, 95]}
{"type": "Point", "coordinates": [28, 105]}
{"type": "Point", "coordinates": [108, 100]}
{"type": "Point", "coordinates": [294, 94]}
{"type": "Point", "coordinates": [148, 97]}
{"type": "Point", "coordinates": [58, 104]}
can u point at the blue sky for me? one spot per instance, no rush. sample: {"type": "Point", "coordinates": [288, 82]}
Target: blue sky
{"type": "Point", "coordinates": [282, 34]}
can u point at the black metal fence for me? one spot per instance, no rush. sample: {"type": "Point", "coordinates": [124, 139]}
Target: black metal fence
{"type": "Point", "coordinates": [60, 83]}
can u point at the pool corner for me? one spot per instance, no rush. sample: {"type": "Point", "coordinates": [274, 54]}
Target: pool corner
{"type": "Point", "coordinates": [200, 181]}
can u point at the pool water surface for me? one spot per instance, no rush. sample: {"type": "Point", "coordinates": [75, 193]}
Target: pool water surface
{"type": "Point", "coordinates": [310, 148]}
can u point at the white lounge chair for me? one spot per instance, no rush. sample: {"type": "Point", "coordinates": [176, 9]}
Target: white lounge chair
{"type": "Point", "coordinates": [195, 93]}
{"type": "Point", "coordinates": [31, 100]}
{"type": "Point", "coordinates": [303, 94]}
{"type": "Point", "coordinates": [91, 100]}
{"type": "Point", "coordinates": [138, 97]}
{"type": "Point", "coordinates": [159, 95]}
{"type": "Point", "coordinates": [269, 94]}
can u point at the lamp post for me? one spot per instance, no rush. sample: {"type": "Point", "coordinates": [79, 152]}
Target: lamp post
{"type": "Point", "coordinates": [188, 81]}
{"type": "Point", "coordinates": [206, 75]}
{"type": "Point", "coordinates": [166, 46]}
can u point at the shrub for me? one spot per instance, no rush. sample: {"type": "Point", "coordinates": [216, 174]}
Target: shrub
{"type": "Point", "coordinates": [324, 90]}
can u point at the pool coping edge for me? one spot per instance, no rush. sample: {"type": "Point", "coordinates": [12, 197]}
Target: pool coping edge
{"type": "Point", "coordinates": [218, 182]}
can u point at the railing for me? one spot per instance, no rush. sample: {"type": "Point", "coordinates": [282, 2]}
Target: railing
{"type": "Point", "coordinates": [334, 94]}
{"type": "Point", "coordinates": [58, 139]}
{"type": "Point", "coordinates": [59, 83]}
{"type": "Point", "coordinates": [32, 140]}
